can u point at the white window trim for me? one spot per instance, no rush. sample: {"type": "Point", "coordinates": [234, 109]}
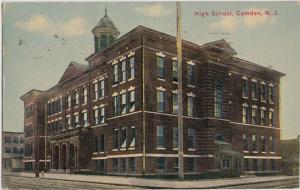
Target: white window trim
{"type": "Point", "coordinates": [160, 54]}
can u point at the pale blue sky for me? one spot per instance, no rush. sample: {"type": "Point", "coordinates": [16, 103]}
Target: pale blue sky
{"type": "Point", "coordinates": [41, 59]}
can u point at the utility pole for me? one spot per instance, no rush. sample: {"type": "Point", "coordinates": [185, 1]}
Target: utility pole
{"type": "Point", "coordinates": [180, 110]}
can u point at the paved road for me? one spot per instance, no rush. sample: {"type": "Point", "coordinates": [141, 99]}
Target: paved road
{"type": "Point", "coordinates": [25, 183]}
{"type": "Point", "coordinates": [286, 184]}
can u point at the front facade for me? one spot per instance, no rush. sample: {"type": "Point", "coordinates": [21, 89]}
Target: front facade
{"type": "Point", "coordinates": [118, 114]}
{"type": "Point", "coordinates": [12, 151]}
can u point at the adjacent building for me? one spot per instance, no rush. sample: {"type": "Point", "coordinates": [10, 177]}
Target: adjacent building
{"type": "Point", "coordinates": [12, 151]}
{"type": "Point", "coordinates": [118, 114]}
{"type": "Point", "coordinates": [290, 156]}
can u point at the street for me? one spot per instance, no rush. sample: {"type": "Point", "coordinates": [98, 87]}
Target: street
{"type": "Point", "coordinates": [14, 182]}
{"type": "Point", "coordinates": [11, 182]}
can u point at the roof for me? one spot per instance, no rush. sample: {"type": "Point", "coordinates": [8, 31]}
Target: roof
{"type": "Point", "coordinates": [221, 45]}
{"type": "Point", "coordinates": [106, 22]}
{"type": "Point", "coordinates": [73, 70]}
{"type": "Point", "coordinates": [31, 93]}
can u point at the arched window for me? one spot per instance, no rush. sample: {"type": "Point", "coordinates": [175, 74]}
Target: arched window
{"type": "Point", "coordinates": [219, 98]}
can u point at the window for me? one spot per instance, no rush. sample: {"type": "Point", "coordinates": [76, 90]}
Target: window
{"type": "Point", "coordinates": [254, 90]}
{"type": "Point", "coordinates": [262, 92]}
{"type": "Point", "coordinates": [116, 105]}
{"type": "Point", "coordinates": [102, 115]}
{"type": "Point", "coordinates": [262, 117]}
{"type": "Point", "coordinates": [15, 150]}
{"type": "Point", "coordinates": [115, 164]}
{"type": "Point", "coordinates": [246, 164]}
{"type": "Point", "coordinates": [225, 163]}
{"type": "Point", "coordinates": [21, 140]}
{"type": "Point", "coordinates": [245, 88]}
{"type": "Point", "coordinates": [131, 164]}
{"type": "Point", "coordinates": [175, 137]}
{"type": "Point", "coordinates": [176, 164]}
{"type": "Point", "coordinates": [131, 101]}
{"type": "Point", "coordinates": [246, 114]}
{"type": "Point", "coordinates": [190, 106]}
{"type": "Point", "coordinates": [124, 138]}
{"type": "Point", "coordinates": [69, 101]}
{"type": "Point", "coordinates": [160, 101]}
{"type": "Point", "coordinates": [116, 75]}
{"type": "Point", "coordinates": [124, 71]}
{"type": "Point", "coordinates": [132, 140]}
{"type": "Point", "coordinates": [160, 137]}
{"type": "Point", "coordinates": [272, 143]}
{"type": "Point", "coordinates": [131, 60]}
{"type": "Point", "coordinates": [96, 145]}
{"type": "Point", "coordinates": [123, 103]}
{"type": "Point", "coordinates": [254, 143]}
{"type": "Point", "coordinates": [271, 118]}
{"type": "Point", "coordinates": [160, 164]}
{"type": "Point", "coordinates": [191, 138]}
{"type": "Point", "coordinates": [271, 92]}
{"type": "Point", "coordinates": [255, 164]}
{"type": "Point", "coordinates": [99, 165]}
{"type": "Point", "coordinates": [175, 71]}
{"type": "Point", "coordinates": [85, 122]}
{"type": "Point", "coordinates": [262, 144]}
{"type": "Point", "coordinates": [245, 142]}
{"type": "Point", "coordinates": [175, 103]}
{"type": "Point", "coordinates": [101, 143]}
{"type": "Point", "coordinates": [219, 99]}
{"type": "Point", "coordinates": [21, 151]}
{"type": "Point", "coordinates": [160, 67]}
{"type": "Point", "coordinates": [77, 120]}
{"type": "Point", "coordinates": [116, 137]}
{"type": "Point", "coordinates": [96, 91]}
{"type": "Point", "coordinates": [102, 90]}
{"type": "Point", "coordinates": [7, 139]}
{"type": "Point", "coordinates": [273, 164]}
{"type": "Point", "coordinates": [96, 116]}
{"type": "Point", "coordinates": [191, 164]}
{"type": "Point", "coordinates": [85, 95]}
{"type": "Point", "coordinates": [69, 122]}
{"type": "Point", "coordinates": [76, 98]}
{"type": "Point", "coordinates": [16, 140]}
{"type": "Point", "coordinates": [7, 150]}
{"type": "Point", "coordinates": [253, 115]}
{"type": "Point", "coordinates": [190, 74]}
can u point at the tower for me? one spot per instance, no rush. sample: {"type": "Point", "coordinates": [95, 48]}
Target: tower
{"type": "Point", "coordinates": [105, 33]}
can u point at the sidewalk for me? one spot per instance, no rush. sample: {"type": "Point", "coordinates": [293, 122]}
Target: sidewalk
{"type": "Point", "coordinates": [157, 183]}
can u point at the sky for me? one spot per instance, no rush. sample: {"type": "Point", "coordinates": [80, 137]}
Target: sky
{"type": "Point", "coordinates": [40, 40]}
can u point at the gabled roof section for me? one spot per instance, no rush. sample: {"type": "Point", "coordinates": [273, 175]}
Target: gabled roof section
{"type": "Point", "coordinates": [221, 45]}
{"type": "Point", "coordinates": [30, 94]}
{"type": "Point", "coordinates": [73, 70]}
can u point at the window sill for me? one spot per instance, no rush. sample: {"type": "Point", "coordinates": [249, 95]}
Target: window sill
{"type": "Point", "coordinates": [263, 101]}
{"type": "Point", "coordinates": [95, 152]}
{"type": "Point", "coordinates": [122, 82]}
{"type": "Point", "coordinates": [245, 151]}
{"type": "Point", "coordinates": [76, 106]}
{"type": "Point", "coordinates": [272, 152]}
{"type": "Point", "coordinates": [263, 152]}
{"type": "Point", "coordinates": [114, 85]}
{"type": "Point", "coordinates": [101, 152]}
{"type": "Point", "coordinates": [160, 148]}
{"type": "Point", "coordinates": [122, 149]}
{"type": "Point", "coordinates": [130, 79]}
{"type": "Point", "coordinates": [174, 82]}
{"type": "Point", "coordinates": [191, 149]}
{"type": "Point", "coordinates": [114, 150]}
{"type": "Point", "coordinates": [244, 97]}
{"type": "Point", "coordinates": [175, 148]}
{"type": "Point", "coordinates": [254, 99]}
{"type": "Point", "coordinates": [192, 86]}
{"type": "Point", "coordinates": [131, 148]}
{"type": "Point", "coordinates": [255, 152]}
{"type": "Point", "coordinates": [161, 79]}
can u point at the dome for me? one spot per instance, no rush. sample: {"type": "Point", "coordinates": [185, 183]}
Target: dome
{"type": "Point", "coordinates": [106, 23]}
